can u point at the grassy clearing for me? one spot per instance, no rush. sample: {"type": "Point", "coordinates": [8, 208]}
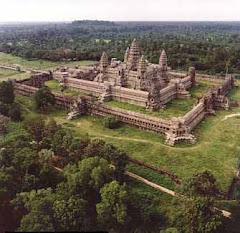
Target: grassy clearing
{"type": "Point", "coordinates": [37, 64]}
{"type": "Point", "coordinates": [201, 88]}
{"type": "Point", "coordinates": [217, 148]}
{"type": "Point", "coordinates": [54, 86]}
{"type": "Point", "coordinates": [175, 108]}
{"type": "Point", "coordinates": [6, 74]}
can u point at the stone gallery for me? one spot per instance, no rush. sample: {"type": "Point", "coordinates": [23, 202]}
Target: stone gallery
{"type": "Point", "coordinates": [135, 80]}
{"type": "Point", "coordinates": [139, 82]}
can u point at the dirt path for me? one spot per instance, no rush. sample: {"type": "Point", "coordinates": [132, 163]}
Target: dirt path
{"type": "Point", "coordinates": [160, 188]}
{"type": "Point", "coordinates": [133, 139]}
{"type": "Point", "coordinates": [161, 144]}
{"type": "Point", "coordinates": [230, 116]}
{"type": "Point", "coordinates": [155, 186]}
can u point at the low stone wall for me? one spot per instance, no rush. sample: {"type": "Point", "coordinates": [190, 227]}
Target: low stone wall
{"type": "Point", "coordinates": [88, 87]}
{"type": "Point", "coordinates": [194, 116]}
{"type": "Point", "coordinates": [136, 97]}
{"type": "Point", "coordinates": [131, 96]}
{"type": "Point", "coordinates": [37, 80]}
{"type": "Point", "coordinates": [200, 77]}
{"type": "Point", "coordinates": [25, 90]}
{"type": "Point", "coordinates": [175, 129]}
{"type": "Point", "coordinates": [210, 78]}
{"type": "Point", "coordinates": [139, 120]}
{"type": "Point", "coordinates": [106, 90]}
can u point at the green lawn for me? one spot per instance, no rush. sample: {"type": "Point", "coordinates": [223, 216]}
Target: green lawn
{"type": "Point", "coordinates": [175, 108]}
{"type": "Point", "coordinates": [217, 148]}
{"type": "Point", "coordinates": [54, 86]}
{"type": "Point", "coordinates": [37, 64]}
{"type": "Point", "coordinates": [6, 74]}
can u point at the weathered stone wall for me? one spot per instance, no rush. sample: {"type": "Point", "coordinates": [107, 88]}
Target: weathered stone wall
{"type": "Point", "coordinates": [139, 120]}
{"type": "Point", "coordinates": [85, 86]}
{"type": "Point", "coordinates": [25, 90]}
{"type": "Point", "coordinates": [200, 77]}
{"type": "Point", "coordinates": [175, 129]}
{"type": "Point", "coordinates": [136, 97]}
{"type": "Point", "coordinates": [37, 80]}
{"type": "Point", "coordinates": [194, 116]}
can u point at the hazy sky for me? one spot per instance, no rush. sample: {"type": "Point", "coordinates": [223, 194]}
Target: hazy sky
{"type": "Point", "coordinates": [66, 10]}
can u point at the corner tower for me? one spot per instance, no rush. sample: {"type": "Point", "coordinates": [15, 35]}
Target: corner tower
{"type": "Point", "coordinates": [103, 62]}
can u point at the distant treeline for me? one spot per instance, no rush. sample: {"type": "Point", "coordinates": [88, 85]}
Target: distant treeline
{"type": "Point", "coordinates": [209, 46]}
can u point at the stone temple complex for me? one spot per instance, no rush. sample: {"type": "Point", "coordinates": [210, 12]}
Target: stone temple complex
{"type": "Point", "coordinates": [136, 81]}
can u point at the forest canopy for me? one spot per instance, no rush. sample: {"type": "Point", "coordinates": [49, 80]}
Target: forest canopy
{"type": "Point", "coordinates": [209, 46]}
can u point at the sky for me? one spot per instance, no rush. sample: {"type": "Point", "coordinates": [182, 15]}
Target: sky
{"type": "Point", "coordinates": [119, 10]}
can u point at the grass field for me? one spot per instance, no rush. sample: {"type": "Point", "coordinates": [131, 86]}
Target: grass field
{"type": "Point", "coordinates": [37, 64]}
{"type": "Point", "coordinates": [12, 74]}
{"type": "Point", "coordinates": [54, 86]}
{"type": "Point", "coordinates": [175, 108]}
{"type": "Point", "coordinates": [217, 148]}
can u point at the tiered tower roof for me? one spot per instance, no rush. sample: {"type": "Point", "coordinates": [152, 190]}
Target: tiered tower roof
{"type": "Point", "coordinates": [163, 58]}
{"type": "Point", "coordinates": [142, 65]}
{"type": "Point", "coordinates": [134, 54]}
{"type": "Point", "coordinates": [104, 60]}
{"type": "Point", "coordinates": [126, 56]}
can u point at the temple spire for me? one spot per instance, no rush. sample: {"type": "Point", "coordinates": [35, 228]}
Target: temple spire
{"type": "Point", "coordinates": [104, 61]}
{"type": "Point", "coordinates": [163, 60]}
{"type": "Point", "coordinates": [134, 55]}
{"type": "Point", "coordinates": [142, 65]}
{"type": "Point", "coordinates": [126, 56]}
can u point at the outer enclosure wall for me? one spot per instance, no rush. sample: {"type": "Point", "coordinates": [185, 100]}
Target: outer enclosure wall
{"type": "Point", "coordinates": [158, 125]}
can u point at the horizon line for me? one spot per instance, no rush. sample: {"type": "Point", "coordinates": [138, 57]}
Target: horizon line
{"type": "Point", "coordinates": [69, 21]}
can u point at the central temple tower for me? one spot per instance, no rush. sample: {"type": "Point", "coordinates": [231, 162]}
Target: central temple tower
{"type": "Point", "coordinates": [133, 57]}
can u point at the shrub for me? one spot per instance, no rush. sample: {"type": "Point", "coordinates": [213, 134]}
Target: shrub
{"type": "Point", "coordinates": [3, 128]}
{"type": "Point", "coordinates": [4, 109]}
{"type": "Point", "coordinates": [6, 92]}
{"type": "Point", "coordinates": [112, 123]}
{"type": "Point", "coordinates": [43, 98]}
{"type": "Point", "coordinates": [15, 112]}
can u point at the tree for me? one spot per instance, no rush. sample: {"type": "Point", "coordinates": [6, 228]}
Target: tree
{"type": "Point", "coordinates": [35, 127]}
{"type": "Point", "coordinates": [112, 210]}
{"type": "Point", "coordinates": [40, 209]}
{"type": "Point", "coordinates": [45, 157]}
{"type": "Point", "coordinates": [6, 92]}
{"type": "Point", "coordinates": [90, 174]}
{"type": "Point", "coordinates": [112, 123]}
{"type": "Point", "coordinates": [4, 109]}
{"type": "Point", "coordinates": [77, 148]}
{"type": "Point", "coordinates": [15, 112]}
{"type": "Point", "coordinates": [196, 215]}
{"type": "Point", "coordinates": [5, 158]}
{"type": "Point", "coordinates": [24, 159]}
{"type": "Point", "coordinates": [145, 212]}
{"type": "Point", "coordinates": [118, 158]}
{"type": "Point", "coordinates": [36, 221]}
{"type": "Point", "coordinates": [61, 142]}
{"type": "Point", "coordinates": [194, 209]}
{"type": "Point", "coordinates": [203, 183]}
{"type": "Point", "coordinates": [3, 127]}
{"type": "Point", "coordinates": [43, 98]}
{"type": "Point", "coordinates": [71, 214]}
